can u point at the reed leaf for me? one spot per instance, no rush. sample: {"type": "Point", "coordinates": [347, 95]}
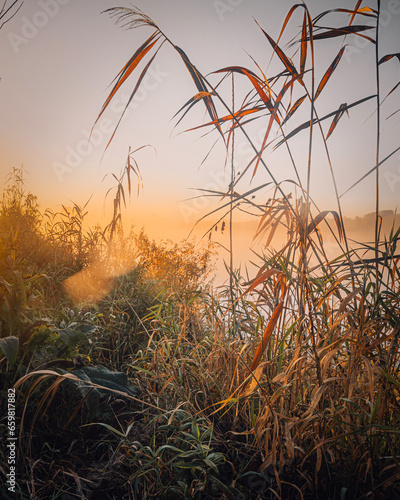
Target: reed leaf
{"type": "Point", "coordinates": [129, 68]}
{"type": "Point", "coordinates": [306, 125]}
{"type": "Point", "coordinates": [329, 72]}
{"type": "Point", "coordinates": [266, 336]}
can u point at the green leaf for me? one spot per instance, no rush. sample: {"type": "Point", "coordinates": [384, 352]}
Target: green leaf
{"type": "Point", "coordinates": [40, 337]}
{"type": "Point", "coordinates": [142, 370]}
{"type": "Point", "coordinates": [188, 454]}
{"type": "Point", "coordinates": [376, 407]}
{"type": "Point", "coordinates": [87, 391]}
{"type": "Point", "coordinates": [108, 427]}
{"type": "Point", "coordinates": [99, 375]}
{"type": "Point", "coordinates": [391, 379]}
{"type": "Point", "coordinates": [195, 464]}
{"type": "Point", "coordinates": [168, 447]}
{"type": "Point", "coordinates": [9, 347]}
{"type": "Point", "coordinates": [211, 464]}
{"type": "Point", "coordinates": [216, 457]}
{"type": "Point", "coordinates": [71, 337]}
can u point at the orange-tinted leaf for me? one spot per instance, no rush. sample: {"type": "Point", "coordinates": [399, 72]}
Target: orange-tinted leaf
{"type": "Point", "coordinates": [338, 115]}
{"type": "Point", "coordinates": [201, 87]}
{"type": "Point", "coordinates": [315, 397]}
{"type": "Point", "coordinates": [365, 11]}
{"type": "Point", "coordinates": [293, 109]}
{"type": "Point", "coordinates": [254, 381]}
{"type": "Point", "coordinates": [344, 31]}
{"type": "Point", "coordinates": [258, 84]}
{"type": "Point", "coordinates": [274, 227]}
{"type": "Point", "coordinates": [236, 69]}
{"type": "Point", "coordinates": [190, 103]}
{"type": "Point", "coordinates": [393, 89]}
{"type": "Point", "coordinates": [329, 72]}
{"type": "Point", "coordinates": [282, 56]}
{"type": "Point", "coordinates": [349, 298]}
{"type": "Point", "coordinates": [306, 124]}
{"type": "Point", "coordinates": [260, 279]}
{"type": "Point", "coordinates": [321, 216]}
{"type": "Point", "coordinates": [303, 46]}
{"type": "Point", "coordinates": [388, 57]}
{"type": "Point", "coordinates": [132, 95]}
{"type": "Point", "coordinates": [265, 98]}
{"type": "Point", "coordinates": [239, 114]}
{"type": "Point", "coordinates": [266, 336]}
{"type": "Point", "coordinates": [129, 67]}
{"type": "Point", "coordinates": [288, 16]}
{"type": "Point", "coordinates": [224, 402]}
{"type": "Point", "coordinates": [285, 88]}
{"type": "Point", "coordinates": [359, 11]}
{"type": "Point", "coordinates": [263, 74]}
{"type": "Point", "coordinates": [359, 2]}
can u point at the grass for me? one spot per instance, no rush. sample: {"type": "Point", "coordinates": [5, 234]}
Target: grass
{"type": "Point", "coordinates": [152, 384]}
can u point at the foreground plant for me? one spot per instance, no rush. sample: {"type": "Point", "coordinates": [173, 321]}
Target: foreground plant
{"type": "Point", "coordinates": [313, 384]}
{"type": "Point", "coordinates": [287, 386]}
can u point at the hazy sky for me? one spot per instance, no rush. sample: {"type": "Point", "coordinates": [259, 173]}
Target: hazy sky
{"type": "Point", "coordinates": [59, 56]}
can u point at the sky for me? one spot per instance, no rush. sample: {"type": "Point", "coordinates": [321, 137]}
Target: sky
{"type": "Point", "coordinates": [58, 58]}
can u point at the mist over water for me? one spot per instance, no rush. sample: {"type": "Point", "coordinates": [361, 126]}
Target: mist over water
{"type": "Point", "coordinates": [248, 252]}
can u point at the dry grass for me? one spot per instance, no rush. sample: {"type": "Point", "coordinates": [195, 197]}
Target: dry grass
{"type": "Point", "coordinates": [285, 386]}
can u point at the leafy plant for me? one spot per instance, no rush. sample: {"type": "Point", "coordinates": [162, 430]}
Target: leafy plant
{"type": "Point", "coordinates": [284, 385]}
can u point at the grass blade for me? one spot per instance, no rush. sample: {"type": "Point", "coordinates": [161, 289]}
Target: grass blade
{"type": "Point", "coordinates": [339, 113]}
{"type": "Point", "coordinates": [329, 72]}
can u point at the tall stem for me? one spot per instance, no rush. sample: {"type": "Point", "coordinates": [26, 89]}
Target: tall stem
{"type": "Point", "coordinates": [303, 291]}
{"type": "Point", "coordinates": [231, 206]}
{"type": "Point", "coordinates": [378, 133]}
